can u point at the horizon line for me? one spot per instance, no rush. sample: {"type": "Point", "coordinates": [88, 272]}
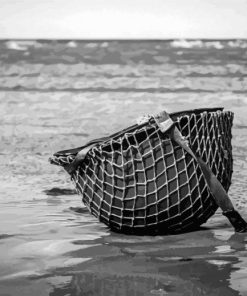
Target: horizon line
{"type": "Point", "coordinates": [122, 39]}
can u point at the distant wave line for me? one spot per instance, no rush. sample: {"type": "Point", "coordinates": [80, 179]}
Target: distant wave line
{"type": "Point", "coordinates": [121, 89]}
{"type": "Point", "coordinates": [192, 74]}
{"type": "Point", "coordinates": [22, 45]}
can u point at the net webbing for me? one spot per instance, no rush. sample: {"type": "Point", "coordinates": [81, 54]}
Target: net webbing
{"type": "Point", "coordinates": [143, 180]}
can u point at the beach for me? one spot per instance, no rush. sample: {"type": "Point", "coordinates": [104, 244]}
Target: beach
{"type": "Point", "coordinates": [57, 95]}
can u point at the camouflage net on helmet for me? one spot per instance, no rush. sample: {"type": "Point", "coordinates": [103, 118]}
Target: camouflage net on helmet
{"type": "Point", "coordinates": [141, 181]}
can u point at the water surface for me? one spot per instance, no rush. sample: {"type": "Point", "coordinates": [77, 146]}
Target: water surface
{"type": "Point", "coordinates": [58, 95]}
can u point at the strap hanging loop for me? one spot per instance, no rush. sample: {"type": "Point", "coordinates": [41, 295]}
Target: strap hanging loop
{"type": "Point", "coordinates": [163, 120]}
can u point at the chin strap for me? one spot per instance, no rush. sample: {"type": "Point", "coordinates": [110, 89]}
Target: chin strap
{"type": "Point", "coordinates": [71, 168]}
{"type": "Point", "coordinates": [166, 125]}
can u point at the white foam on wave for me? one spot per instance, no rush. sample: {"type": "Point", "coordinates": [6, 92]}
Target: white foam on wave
{"type": "Point", "coordinates": [15, 45]}
{"type": "Point", "coordinates": [104, 44]}
{"type": "Point", "coordinates": [237, 43]}
{"type": "Point", "coordinates": [183, 43]}
{"type": "Point", "coordinates": [22, 45]}
{"type": "Point", "coordinates": [214, 44]}
{"type": "Point", "coordinates": [91, 45]}
{"type": "Point", "coordinates": [72, 44]}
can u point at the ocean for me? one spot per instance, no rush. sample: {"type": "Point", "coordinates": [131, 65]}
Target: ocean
{"type": "Point", "coordinates": [57, 95]}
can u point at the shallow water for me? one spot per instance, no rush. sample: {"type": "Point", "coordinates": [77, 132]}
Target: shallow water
{"type": "Point", "coordinates": [57, 95]}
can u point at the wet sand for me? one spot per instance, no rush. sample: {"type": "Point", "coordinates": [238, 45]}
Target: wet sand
{"type": "Point", "coordinates": [51, 245]}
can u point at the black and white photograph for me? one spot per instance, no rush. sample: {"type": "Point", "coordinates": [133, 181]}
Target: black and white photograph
{"type": "Point", "coordinates": [123, 148]}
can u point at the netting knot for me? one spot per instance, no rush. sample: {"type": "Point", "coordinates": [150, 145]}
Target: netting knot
{"type": "Point", "coordinates": [143, 119]}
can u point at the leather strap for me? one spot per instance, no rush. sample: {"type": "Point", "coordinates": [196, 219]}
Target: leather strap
{"type": "Point", "coordinates": [165, 124]}
{"type": "Point", "coordinates": [71, 168]}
